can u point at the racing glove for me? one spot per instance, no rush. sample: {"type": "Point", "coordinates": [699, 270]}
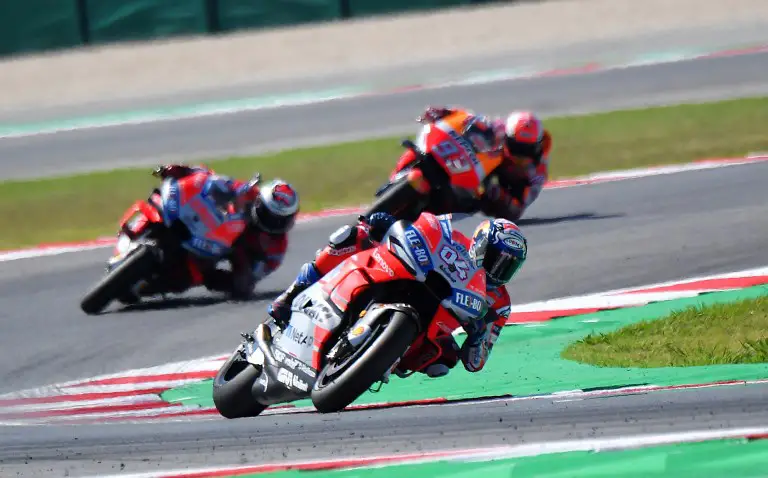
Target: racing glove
{"type": "Point", "coordinates": [434, 113]}
{"type": "Point", "coordinates": [477, 347]}
{"type": "Point", "coordinates": [176, 171]}
{"type": "Point", "coordinates": [378, 224]}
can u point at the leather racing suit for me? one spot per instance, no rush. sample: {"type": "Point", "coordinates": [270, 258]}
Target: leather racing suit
{"type": "Point", "coordinates": [513, 186]}
{"type": "Point", "coordinates": [254, 255]}
{"type": "Point", "coordinates": [349, 240]}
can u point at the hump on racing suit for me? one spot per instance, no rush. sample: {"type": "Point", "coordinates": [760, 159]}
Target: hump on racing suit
{"type": "Point", "coordinates": [206, 204]}
{"type": "Point", "coordinates": [450, 250]}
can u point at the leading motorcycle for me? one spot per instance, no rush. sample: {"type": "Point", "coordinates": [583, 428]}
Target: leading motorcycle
{"type": "Point", "coordinates": [385, 306]}
{"type": "Point", "coordinates": [449, 174]}
{"type": "Point", "coordinates": [181, 228]}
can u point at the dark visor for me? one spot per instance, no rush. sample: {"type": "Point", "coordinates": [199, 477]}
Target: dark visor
{"type": "Point", "coordinates": [272, 222]}
{"type": "Point", "coordinates": [499, 266]}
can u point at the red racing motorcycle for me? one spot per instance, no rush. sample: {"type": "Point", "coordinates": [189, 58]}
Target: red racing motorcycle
{"type": "Point", "coordinates": [385, 306]}
{"type": "Point", "coordinates": [164, 242]}
{"type": "Point", "coordinates": [448, 175]}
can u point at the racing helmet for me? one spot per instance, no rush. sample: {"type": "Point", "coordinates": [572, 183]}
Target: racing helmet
{"type": "Point", "coordinates": [499, 247]}
{"type": "Point", "coordinates": [275, 208]}
{"type": "Point", "coordinates": [524, 135]}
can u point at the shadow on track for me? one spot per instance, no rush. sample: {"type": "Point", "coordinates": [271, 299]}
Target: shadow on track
{"type": "Point", "coordinates": [172, 303]}
{"type": "Point", "coordinates": [587, 216]}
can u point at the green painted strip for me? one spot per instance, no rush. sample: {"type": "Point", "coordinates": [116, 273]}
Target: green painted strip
{"type": "Point", "coordinates": [732, 458]}
{"type": "Point", "coordinates": [117, 118]}
{"type": "Point", "coordinates": [526, 361]}
{"type": "Point", "coordinates": [176, 112]}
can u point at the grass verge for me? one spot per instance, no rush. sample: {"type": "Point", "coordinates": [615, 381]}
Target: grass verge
{"type": "Point", "coordinates": [85, 206]}
{"type": "Point", "coordinates": [734, 333]}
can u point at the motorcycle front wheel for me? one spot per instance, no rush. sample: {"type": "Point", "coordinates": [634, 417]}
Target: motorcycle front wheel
{"type": "Point", "coordinates": [339, 384]}
{"type": "Point", "coordinates": [232, 387]}
{"type": "Point", "coordinates": [120, 280]}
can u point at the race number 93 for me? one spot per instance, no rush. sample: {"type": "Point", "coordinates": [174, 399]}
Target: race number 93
{"type": "Point", "coordinates": [453, 157]}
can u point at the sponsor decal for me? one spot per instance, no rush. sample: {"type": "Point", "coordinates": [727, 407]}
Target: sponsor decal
{"type": "Point", "coordinates": [171, 202]}
{"type": "Point", "coordinates": [291, 362]}
{"type": "Point", "coordinates": [341, 252]}
{"type": "Point", "coordinates": [417, 246]}
{"type": "Point", "coordinates": [357, 331]}
{"type": "Point", "coordinates": [382, 263]}
{"type": "Point", "coordinates": [468, 301]}
{"type": "Point", "coordinates": [298, 336]}
{"type": "Point", "coordinates": [206, 246]}
{"type": "Point", "coordinates": [468, 148]}
{"type": "Point", "coordinates": [291, 380]}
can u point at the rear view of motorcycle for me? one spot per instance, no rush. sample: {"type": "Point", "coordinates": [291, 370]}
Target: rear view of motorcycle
{"type": "Point", "coordinates": [163, 241]}
{"type": "Point", "coordinates": [382, 307]}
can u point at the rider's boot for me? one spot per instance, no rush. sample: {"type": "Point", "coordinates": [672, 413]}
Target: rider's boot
{"type": "Point", "coordinates": [437, 370]}
{"type": "Point", "coordinates": [280, 309]}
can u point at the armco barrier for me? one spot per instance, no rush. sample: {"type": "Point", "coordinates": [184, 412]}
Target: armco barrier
{"type": "Point", "coordinates": [28, 26]}
{"type": "Point", "coordinates": [116, 20]}
{"type": "Point", "coordinates": [33, 25]}
{"type": "Point", "coordinates": [359, 8]}
{"type": "Point", "coordinates": [239, 14]}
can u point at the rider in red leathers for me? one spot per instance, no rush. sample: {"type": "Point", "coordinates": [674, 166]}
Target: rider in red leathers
{"type": "Point", "coordinates": [520, 178]}
{"type": "Point", "coordinates": [502, 263]}
{"type": "Point", "coordinates": [271, 210]}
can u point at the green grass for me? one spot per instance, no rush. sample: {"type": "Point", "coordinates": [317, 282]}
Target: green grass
{"type": "Point", "coordinates": [85, 206]}
{"type": "Point", "coordinates": [735, 333]}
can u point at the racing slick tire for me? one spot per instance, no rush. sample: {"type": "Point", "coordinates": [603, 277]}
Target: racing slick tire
{"type": "Point", "coordinates": [366, 366]}
{"type": "Point", "coordinates": [119, 280]}
{"type": "Point", "coordinates": [232, 387]}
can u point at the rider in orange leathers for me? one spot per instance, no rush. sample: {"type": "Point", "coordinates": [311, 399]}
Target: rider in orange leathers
{"type": "Point", "coordinates": [519, 179]}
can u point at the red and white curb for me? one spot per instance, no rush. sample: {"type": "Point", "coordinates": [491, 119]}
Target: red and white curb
{"type": "Point", "coordinates": [134, 395]}
{"type": "Point", "coordinates": [57, 248]}
{"type": "Point", "coordinates": [596, 178]}
{"type": "Point", "coordinates": [469, 454]}
{"type": "Point", "coordinates": [535, 313]}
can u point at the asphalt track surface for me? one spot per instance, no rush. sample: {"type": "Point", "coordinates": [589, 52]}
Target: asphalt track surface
{"type": "Point", "coordinates": [583, 240]}
{"type": "Point", "coordinates": [255, 131]}
{"type": "Point", "coordinates": [108, 449]}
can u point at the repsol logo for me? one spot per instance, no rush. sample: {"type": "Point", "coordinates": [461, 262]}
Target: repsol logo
{"type": "Point", "coordinates": [470, 150]}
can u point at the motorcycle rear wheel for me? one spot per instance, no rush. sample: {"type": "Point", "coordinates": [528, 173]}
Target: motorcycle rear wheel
{"type": "Point", "coordinates": [369, 363]}
{"type": "Point", "coordinates": [119, 280]}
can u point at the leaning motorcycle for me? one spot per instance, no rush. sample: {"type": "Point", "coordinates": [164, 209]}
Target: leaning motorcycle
{"type": "Point", "coordinates": [385, 306]}
{"type": "Point", "coordinates": [169, 235]}
{"type": "Point", "coordinates": [448, 175]}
